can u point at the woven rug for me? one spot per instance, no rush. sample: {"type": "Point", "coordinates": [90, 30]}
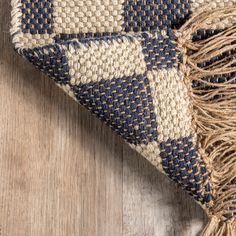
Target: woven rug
{"type": "Point", "coordinates": [160, 73]}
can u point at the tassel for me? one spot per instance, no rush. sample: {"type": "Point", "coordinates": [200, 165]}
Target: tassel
{"type": "Point", "coordinates": [215, 227]}
{"type": "Point", "coordinates": [213, 107]}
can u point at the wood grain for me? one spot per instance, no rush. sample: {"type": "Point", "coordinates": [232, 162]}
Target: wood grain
{"type": "Point", "coordinates": [64, 173]}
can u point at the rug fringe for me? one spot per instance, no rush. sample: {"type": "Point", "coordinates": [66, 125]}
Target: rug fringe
{"type": "Point", "coordinates": [215, 227]}
{"type": "Point", "coordinates": [213, 105]}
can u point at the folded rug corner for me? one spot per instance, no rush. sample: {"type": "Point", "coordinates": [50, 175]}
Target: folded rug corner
{"type": "Point", "coordinates": [160, 73]}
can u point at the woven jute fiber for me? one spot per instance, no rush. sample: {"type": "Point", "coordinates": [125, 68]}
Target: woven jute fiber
{"type": "Point", "coordinates": [160, 73]}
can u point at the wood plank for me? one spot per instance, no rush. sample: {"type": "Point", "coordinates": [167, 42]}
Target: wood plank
{"type": "Point", "coordinates": [60, 169]}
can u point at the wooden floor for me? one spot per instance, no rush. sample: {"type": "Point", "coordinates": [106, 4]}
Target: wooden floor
{"type": "Point", "coordinates": [63, 173]}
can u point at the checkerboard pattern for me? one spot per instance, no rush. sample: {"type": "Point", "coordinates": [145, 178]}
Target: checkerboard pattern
{"type": "Point", "coordinates": [118, 58]}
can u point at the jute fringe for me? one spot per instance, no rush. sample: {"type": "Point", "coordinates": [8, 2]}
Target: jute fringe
{"type": "Point", "coordinates": [219, 228]}
{"type": "Point", "coordinates": [213, 106]}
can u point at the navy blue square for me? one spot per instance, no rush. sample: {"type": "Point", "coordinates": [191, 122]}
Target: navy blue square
{"type": "Point", "coordinates": [159, 49]}
{"type": "Point", "coordinates": [152, 15]}
{"type": "Point", "coordinates": [125, 104]}
{"type": "Point", "coordinates": [173, 13]}
{"type": "Point", "coordinates": [181, 163]}
{"type": "Point", "coordinates": [36, 16]}
{"type": "Point", "coordinates": [50, 59]}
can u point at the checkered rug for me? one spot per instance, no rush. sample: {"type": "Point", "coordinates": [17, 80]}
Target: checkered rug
{"type": "Point", "coordinates": [121, 59]}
